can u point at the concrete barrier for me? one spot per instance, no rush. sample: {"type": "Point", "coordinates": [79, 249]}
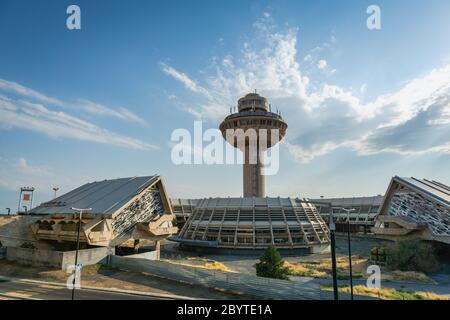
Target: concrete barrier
{"type": "Point", "coordinates": [150, 255]}
{"type": "Point", "coordinates": [15, 231]}
{"type": "Point", "coordinates": [58, 259]}
{"type": "Point", "coordinates": [302, 289]}
{"type": "Point", "coordinates": [87, 257]}
{"type": "Point", "coordinates": [2, 252]}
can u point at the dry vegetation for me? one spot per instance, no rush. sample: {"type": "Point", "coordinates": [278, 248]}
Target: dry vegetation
{"type": "Point", "coordinates": [201, 263]}
{"type": "Point", "coordinates": [322, 268]}
{"type": "Point", "coordinates": [411, 276]}
{"type": "Point", "coordinates": [390, 294]}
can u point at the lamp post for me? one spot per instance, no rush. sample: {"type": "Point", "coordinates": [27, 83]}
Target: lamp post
{"type": "Point", "coordinates": [333, 254]}
{"type": "Point", "coordinates": [349, 250]}
{"type": "Point", "coordinates": [55, 189]}
{"type": "Point", "coordinates": [78, 246]}
{"type": "Point", "coordinates": [332, 228]}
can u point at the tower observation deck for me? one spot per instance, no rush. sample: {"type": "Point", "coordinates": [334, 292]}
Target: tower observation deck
{"type": "Point", "coordinates": [253, 116]}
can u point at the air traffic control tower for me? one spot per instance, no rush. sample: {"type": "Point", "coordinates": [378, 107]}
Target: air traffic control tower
{"type": "Point", "coordinates": [254, 113]}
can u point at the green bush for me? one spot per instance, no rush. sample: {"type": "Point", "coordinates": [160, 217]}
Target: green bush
{"type": "Point", "coordinates": [271, 265]}
{"type": "Point", "coordinates": [412, 255]}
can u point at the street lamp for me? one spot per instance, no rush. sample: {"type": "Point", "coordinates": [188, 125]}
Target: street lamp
{"type": "Point", "coordinates": [55, 189]}
{"type": "Point", "coordinates": [349, 250]}
{"type": "Point", "coordinates": [78, 246]}
{"type": "Point", "coordinates": [333, 254]}
{"type": "Point", "coordinates": [332, 228]}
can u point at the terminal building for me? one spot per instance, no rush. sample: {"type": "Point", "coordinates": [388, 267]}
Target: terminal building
{"type": "Point", "coordinates": [120, 210]}
{"type": "Point", "coordinates": [139, 207]}
{"type": "Point", "coordinates": [252, 223]}
{"type": "Point", "coordinates": [415, 209]}
{"type": "Point", "coordinates": [362, 219]}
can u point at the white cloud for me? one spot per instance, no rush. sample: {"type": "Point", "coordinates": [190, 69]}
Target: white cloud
{"type": "Point", "coordinates": [27, 169]}
{"type": "Point", "coordinates": [101, 110]}
{"type": "Point", "coordinates": [14, 87]}
{"type": "Point", "coordinates": [183, 78]}
{"type": "Point", "coordinates": [56, 124]}
{"type": "Point", "coordinates": [16, 173]}
{"type": "Point", "coordinates": [363, 88]}
{"type": "Point", "coordinates": [273, 69]}
{"type": "Point", "coordinates": [81, 105]}
{"type": "Point", "coordinates": [322, 64]}
{"type": "Point", "coordinates": [327, 117]}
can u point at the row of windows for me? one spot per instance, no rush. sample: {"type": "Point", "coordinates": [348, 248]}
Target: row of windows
{"type": "Point", "coordinates": [255, 122]}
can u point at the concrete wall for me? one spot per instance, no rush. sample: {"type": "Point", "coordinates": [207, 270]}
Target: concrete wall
{"type": "Point", "coordinates": [35, 257]}
{"type": "Point", "coordinates": [15, 231]}
{"type": "Point", "coordinates": [151, 255]}
{"type": "Point", "coordinates": [2, 252]}
{"type": "Point", "coordinates": [57, 259]}
{"type": "Point", "coordinates": [302, 289]}
{"type": "Point", "coordinates": [86, 256]}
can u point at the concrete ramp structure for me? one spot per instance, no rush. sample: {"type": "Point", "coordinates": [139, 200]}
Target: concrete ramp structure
{"type": "Point", "coordinates": [122, 209]}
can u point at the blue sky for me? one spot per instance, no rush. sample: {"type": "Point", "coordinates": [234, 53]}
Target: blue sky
{"type": "Point", "coordinates": [102, 102]}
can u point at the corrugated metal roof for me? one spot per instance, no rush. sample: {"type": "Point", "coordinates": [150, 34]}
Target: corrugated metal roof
{"type": "Point", "coordinates": [104, 197]}
{"type": "Point", "coordinates": [433, 189]}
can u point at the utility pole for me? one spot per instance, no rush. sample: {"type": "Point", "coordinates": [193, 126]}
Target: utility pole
{"type": "Point", "coordinates": [349, 250]}
{"type": "Point", "coordinates": [78, 246]}
{"type": "Point", "coordinates": [55, 189]}
{"type": "Point", "coordinates": [332, 228]}
{"type": "Point", "coordinates": [333, 254]}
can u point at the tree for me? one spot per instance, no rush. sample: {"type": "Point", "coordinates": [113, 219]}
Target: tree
{"type": "Point", "coordinates": [271, 265]}
{"type": "Point", "coordinates": [412, 255]}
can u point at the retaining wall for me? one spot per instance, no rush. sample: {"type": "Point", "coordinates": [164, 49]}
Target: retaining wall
{"type": "Point", "coordinates": [15, 231]}
{"type": "Point", "coordinates": [302, 289]}
{"type": "Point", "coordinates": [58, 259]}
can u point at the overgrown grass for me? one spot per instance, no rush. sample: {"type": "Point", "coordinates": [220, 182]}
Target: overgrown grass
{"type": "Point", "coordinates": [412, 255]}
{"type": "Point", "coordinates": [322, 268]}
{"type": "Point", "coordinates": [204, 264]}
{"type": "Point", "coordinates": [411, 276]}
{"type": "Point", "coordinates": [388, 294]}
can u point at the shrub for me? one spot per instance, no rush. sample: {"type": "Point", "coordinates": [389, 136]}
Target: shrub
{"type": "Point", "coordinates": [412, 255]}
{"type": "Point", "coordinates": [271, 265]}
{"type": "Point", "coordinates": [28, 245]}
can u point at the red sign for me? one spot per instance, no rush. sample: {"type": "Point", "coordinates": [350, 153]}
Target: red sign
{"type": "Point", "coordinates": [26, 197]}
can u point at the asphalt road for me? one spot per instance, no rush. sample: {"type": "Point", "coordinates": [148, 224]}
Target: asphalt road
{"type": "Point", "coordinates": [16, 289]}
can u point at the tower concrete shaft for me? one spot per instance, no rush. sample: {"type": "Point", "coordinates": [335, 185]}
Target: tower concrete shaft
{"type": "Point", "coordinates": [254, 180]}
{"type": "Point", "coordinates": [253, 119]}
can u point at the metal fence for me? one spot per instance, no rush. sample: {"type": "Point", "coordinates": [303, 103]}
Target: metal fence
{"type": "Point", "coordinates": [303, 289]}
